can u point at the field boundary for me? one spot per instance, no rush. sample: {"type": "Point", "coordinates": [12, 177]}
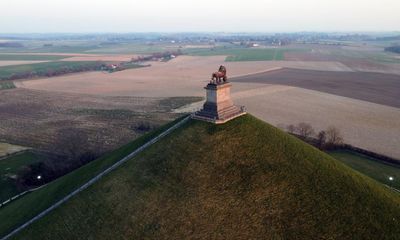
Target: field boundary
{"type": "Point", "coordinates": [98, 177]}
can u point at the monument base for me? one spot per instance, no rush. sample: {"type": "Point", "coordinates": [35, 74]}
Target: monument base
{"type": "Point", "coordinates": [218, 107]}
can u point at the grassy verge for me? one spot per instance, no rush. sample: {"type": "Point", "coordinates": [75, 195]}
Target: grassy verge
{"type": "Point", "coordinates": [22, 210]}
{"type": "Point", "coordinates": [369, 166]}
{"type": "Point", "coordinates": [10, 167]}
{"type": "Point", "coordinates": [45, 69]}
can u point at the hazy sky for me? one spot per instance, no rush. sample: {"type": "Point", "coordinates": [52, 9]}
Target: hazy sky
{"type": "Point", "coordinates": [198, 15]}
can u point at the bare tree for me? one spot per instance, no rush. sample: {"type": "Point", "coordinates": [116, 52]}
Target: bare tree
{"type": "Point", "coordinates": [305, 130]}
{"type": "Point", "coordinates": [333, 137]}
{"type": "Point", "coordinates": [291, 128]}
{"type": "Point", "coordinates": [321, 138]}
{"type": "Point", "coordinates": [71, 142]}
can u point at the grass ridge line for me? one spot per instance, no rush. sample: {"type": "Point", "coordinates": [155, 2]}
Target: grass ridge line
{"type": "Point", "coordinates": [96, 178]}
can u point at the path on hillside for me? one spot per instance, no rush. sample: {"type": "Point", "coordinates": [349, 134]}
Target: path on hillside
{"type": "Point", "coordinates": [96, 178]}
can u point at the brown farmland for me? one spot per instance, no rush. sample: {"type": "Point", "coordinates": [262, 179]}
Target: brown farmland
{"type": "Point", "coordinates": [183, 76]}
{"type": "Point", "coordinates": [373, 87]}
{"type": "Point", "coordinates": [326, 101]}
{"type": "Point", "coordinates": [33, 118]}
{"type": "Point", "coordinates": [355, 58]}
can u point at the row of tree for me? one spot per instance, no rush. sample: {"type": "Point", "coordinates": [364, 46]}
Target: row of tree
{"type": "Point", "coordinates": [325, 139]}
{"type": "Point", "coordinates": [56, 71]}
{"type": "Point", "coordinates": [157, 56]}
{"type": "Point", "coordinates": [73, 151]}
{"type": "Point", "coordinates": [395, 49]}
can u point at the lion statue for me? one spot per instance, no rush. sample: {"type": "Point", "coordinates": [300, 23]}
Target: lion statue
{"type": "Point", "coordinates": [218, 77]}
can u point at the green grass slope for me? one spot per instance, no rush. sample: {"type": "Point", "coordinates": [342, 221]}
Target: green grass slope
{"type": "Point", "coordinates": [20, 211]}
{"type": "Point", "coordinates": [241, 180]}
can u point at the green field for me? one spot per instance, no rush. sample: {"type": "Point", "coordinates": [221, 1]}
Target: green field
{"type": "Point", "coordinates": [7, 85]}
{"type": "Point", "coordinates": [20, 211]}
{"type": "Point", "coordinates": [27, 57]}
{"type": "Point", "coordinates": [240, 180]}
{"type": "Point", "coordinates": [10, 167]}
{"type": "Point", "coordinates": [369, 166]}
{"type": "Point", "coordinates": [241, 54]}
{"type": "Point", "coordinates": [135, 48]}
{"type": "Point", "coordinates": [42, 69]}
{"type": "Point", "coordinates": [60, 47]}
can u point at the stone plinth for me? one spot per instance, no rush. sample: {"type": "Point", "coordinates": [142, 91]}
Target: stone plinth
{"type": "Point", "coordinates": [218, 107]}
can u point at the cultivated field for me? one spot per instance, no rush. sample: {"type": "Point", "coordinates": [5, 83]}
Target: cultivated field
{"type": "Point", "coordinates": [372, 87]}
{"type": "Point", "coordinates": [103, 58]}
{"type": "Point", "coordinates": [241, 54]}
{"type": "Point", "coordinates": [183, 76]}
{"type": "Point", "coordinates": [7, 59]}
{"type": "Point", "coordinates": [357, 58]}
{"type": "Point", "coordinates": [30, 57]}
{"type": "Point", "coordinates": [34, 118]}
{"type": "Point", "coordinates": [364, 124]}
{"type": "Point", "coordinates": [323, 85]}
{"type": "Point", "coordinates": [333, 95]}
{"type": "Point", "coordinates": [10, 63]}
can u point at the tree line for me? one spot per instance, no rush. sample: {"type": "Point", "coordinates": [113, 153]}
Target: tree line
{"type": "Point", "coordinates": [54, 69]}
{"type": "Point", "coordinates": [72, 152]}
{"type": "Point", "coordinates": [395, 49]}
{"type": "Point", "coordinates": [327, 139]}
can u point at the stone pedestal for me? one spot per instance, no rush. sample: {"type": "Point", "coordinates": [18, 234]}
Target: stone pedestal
{"type": "Point", "coordinates": [218, 107]}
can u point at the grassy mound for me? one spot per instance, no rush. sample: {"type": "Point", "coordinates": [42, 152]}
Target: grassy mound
{"type": "Point", "coordinates": [20, 211]}
{"type": "Point", "coordinates": [241, 180]}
